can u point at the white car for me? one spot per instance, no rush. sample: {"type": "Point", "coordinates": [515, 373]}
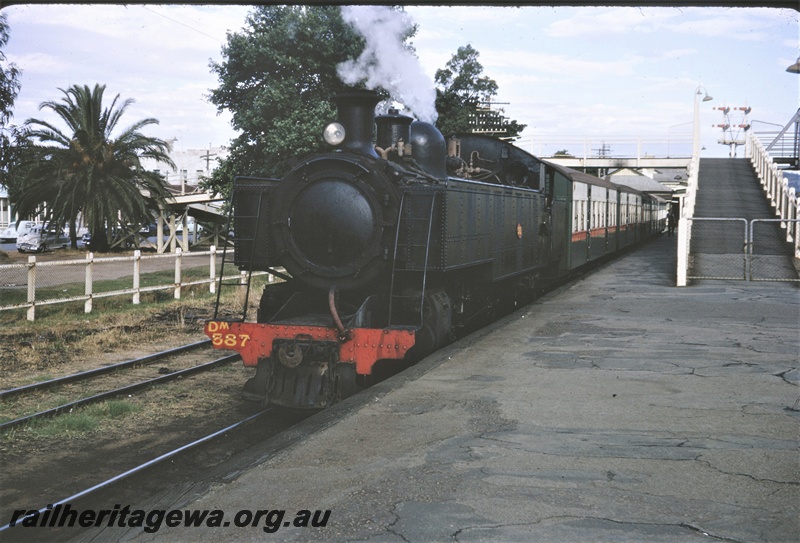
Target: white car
{"type": "Point", "coordinates": [10, 234]}
{"type": "Point", "coordinates": [38, 239]}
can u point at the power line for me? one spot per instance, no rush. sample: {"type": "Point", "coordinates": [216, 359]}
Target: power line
{"type": "Point", "coordinates": [181, 23]}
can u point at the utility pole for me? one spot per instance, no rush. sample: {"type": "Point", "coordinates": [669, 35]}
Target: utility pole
{"type": "Point", "coordinates": [208, 156]}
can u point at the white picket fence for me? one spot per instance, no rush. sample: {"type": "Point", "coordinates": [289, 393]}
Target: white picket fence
{"type": "Point", "coordinates": [90, 271]}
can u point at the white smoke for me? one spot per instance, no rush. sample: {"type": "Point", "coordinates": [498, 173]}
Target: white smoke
{"type": "Point", "coordinates": [385, 62]}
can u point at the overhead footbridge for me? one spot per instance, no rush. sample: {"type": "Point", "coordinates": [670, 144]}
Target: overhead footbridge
{"type": "Point", "coordinates": [739, 220]}
{"type": "Point", "coordinates": [173, 227]}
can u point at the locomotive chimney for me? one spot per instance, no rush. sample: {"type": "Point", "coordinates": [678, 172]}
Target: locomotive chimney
{"type": "Point", "coordinates": [357, 115]}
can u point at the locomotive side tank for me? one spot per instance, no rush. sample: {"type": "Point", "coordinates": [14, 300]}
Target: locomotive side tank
{"type": "Point", "coordinates": [393, 244]}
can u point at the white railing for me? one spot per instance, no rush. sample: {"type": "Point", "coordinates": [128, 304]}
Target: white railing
{"type": "Point", "coordinates": [677, 145]}
{"type": "Point", "coordinates": [782, 197]}
{"type": "Point", "coordinates": [685, 222]}
{"type": "Point", "coordinates": [92, 267]}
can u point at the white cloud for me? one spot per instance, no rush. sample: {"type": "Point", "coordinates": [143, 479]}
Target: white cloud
{"type": "Point", "coordinates": [598, 23]}
{"type": "Point", "coordinates": [558, 64]}
{"type": "Point", "coordinates": [563, 70]}
{"type": "Point", "coordinates": [39, 63]}
{"type": "Point", "coordinates": [750, 24]}
{"type": "Point", "coordinates": [677, 54]}
{"type": "Point", "coordinates": [157, 55]}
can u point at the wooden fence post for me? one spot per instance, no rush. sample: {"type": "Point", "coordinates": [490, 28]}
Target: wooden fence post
{"type": "Point", "coordinates": [137, 271]}
{"type": "Point", "coordinates": [178, 257]}
{"type": "Point", "coordinates": [87, 306]}
{"type": "Point", "coordinates": [212, 270]}
{"type": "Point", "coordinates": [31, 288]}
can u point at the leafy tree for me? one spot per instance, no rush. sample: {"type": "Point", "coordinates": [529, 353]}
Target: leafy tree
{"type": "Point", "coordinates": [277, 78]}
{"type": "Point", "coordinates": [89, 171]}
{"type": "Point", "coordinates": [461, 90]}
{"type": "Point", "coordinates": [9, 88]}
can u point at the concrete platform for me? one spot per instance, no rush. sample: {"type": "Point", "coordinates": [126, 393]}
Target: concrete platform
{"type": "Point", "coordinates": [618, 408]}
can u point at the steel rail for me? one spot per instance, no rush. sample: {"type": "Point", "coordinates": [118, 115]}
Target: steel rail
{"type": "Point", "coordinates": [118, 391]}
{"type": "Point", "coordinates": [140, 467]}
{"type": "Point", "coordinates": [88, 374]}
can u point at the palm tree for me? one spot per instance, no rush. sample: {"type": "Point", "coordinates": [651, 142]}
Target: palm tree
{"type": "Point", "coordinates": [86, 170]}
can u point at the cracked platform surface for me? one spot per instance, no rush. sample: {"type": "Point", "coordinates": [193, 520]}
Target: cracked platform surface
{"type": "Point", "coordinates": [619, 408]}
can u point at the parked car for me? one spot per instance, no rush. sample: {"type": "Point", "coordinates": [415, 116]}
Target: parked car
{"type": "Point", "coordinates": [148, 230]}
{"type": "Point", "coordinates": [40, 238]}
{"type": "Point", "coordinates": [81, 230]}
{"type": "Point", "coordinates": [10, 234]}
{"type": "Point", "coordinates": [189, 226]}
{"type": "Point", "coordinates": [126, 243]}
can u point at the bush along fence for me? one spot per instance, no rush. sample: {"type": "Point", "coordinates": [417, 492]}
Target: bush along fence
{"type": "Point", "coordinates": [32, 284]}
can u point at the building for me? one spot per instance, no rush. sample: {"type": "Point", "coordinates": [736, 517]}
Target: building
{"type": "Point", "coordinates": [6, 212]}
{"type": "Point", "coordinates": [192, 206]}
{"type": "Point", "coordinates": [191, 166]}
{"type": "Point", "coordinates": [644, 181]}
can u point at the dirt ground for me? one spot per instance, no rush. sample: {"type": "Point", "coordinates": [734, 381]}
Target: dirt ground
{"type": "Point", "coordinates": [44, 463]}
{"type": "Point", "coordinates": [51, 461]}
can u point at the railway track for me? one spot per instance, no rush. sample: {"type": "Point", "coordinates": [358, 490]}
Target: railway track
{"type": "Point", "coordinates": [143, 466]}
{"type": "Point", "coordinates": [13, 393]}
{"type": "Point", "coordinates": [84, 375]}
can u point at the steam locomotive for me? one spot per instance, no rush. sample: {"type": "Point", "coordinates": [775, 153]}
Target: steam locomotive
{"type": "Point", "coordinates": [394, 246]}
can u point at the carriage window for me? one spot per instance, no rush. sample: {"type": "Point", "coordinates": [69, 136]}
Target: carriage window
{"type": "Point", "coordinates": [583, 216]}
{"type": "Point", "coordinates": [597, 214]}
{"type": "Point", "coordinates": [575, 218]}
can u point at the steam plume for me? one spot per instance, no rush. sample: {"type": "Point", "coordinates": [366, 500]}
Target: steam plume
{"type": "Point", "coordinates": [385, 62]}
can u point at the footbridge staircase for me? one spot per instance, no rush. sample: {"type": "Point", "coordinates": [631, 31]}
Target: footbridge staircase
{"type": "Point", "coordinates": [739, 220]}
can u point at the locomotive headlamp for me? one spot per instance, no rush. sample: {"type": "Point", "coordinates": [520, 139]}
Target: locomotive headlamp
{"type": "Point", "coordinates": [334, 133]}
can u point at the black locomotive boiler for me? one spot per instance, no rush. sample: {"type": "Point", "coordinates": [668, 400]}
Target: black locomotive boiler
{"type": "Point", "coordinates": [398, 240]}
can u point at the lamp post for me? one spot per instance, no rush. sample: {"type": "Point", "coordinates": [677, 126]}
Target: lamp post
{"type": "Point", "coordinates": [696, 135]}
{"type": "Point", "coordinates": [687, 203]}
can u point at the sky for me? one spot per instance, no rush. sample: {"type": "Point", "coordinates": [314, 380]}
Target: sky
{"type": "Point", "coordinates": [569, 74]}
